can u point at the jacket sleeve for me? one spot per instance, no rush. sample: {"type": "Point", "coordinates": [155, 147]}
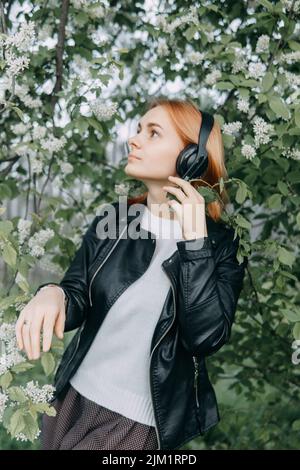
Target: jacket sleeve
{"type": "Point", "coordinates": [75, 280]}
{"type": "Point", "coordinates": [209, 285]}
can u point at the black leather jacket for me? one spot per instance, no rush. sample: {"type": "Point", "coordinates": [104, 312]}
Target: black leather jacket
{"type": "Point", "coordinates": [196, 319]}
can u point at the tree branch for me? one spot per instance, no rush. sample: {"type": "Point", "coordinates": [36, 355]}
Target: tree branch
{"type": "Point", "coordinates": [59, 52]}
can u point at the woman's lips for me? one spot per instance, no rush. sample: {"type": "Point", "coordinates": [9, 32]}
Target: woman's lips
{"type": "Point", "coordinates": [133, 156]}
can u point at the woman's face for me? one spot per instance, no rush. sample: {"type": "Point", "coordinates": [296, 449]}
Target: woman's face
{"type": "Point", "coordinates": [156, 146]}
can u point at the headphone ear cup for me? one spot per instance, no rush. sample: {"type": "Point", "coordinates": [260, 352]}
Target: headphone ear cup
{"type": "Point", "coordinates": [182, 162]}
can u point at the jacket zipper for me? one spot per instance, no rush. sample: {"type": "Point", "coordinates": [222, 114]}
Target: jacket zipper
{"type": "Point", "coordinates": [78, 339]}
{"type": "Point", "coordinates": [156, 427]}
{"type": "Point", "coordinates": [196, 379]}
{"type": "Point", "coordinates": [95, 273]}
{"type": "Point", "coordinates": [76, 347]}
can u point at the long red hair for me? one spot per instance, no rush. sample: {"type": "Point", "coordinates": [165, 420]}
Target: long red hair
{"type": "Point", "coordinates": [187, 118]}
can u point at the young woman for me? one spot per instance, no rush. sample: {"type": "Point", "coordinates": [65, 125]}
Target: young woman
{"type": "Point", "coordinates": [148, 309]}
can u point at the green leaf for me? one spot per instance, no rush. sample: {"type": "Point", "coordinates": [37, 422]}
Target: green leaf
{"type": "Point", "coordinates": [19, 112]}
{"type": "Point", "coordinates": [5, 380]}
{"type": "Point", "coordinates": [6, 227]}
{"type": "Point", "coordinates": [296, 330]}
{"type": "Point", "coordinates": [17, 394]}
{"type": "Point", "coordinates": [291, 315]}
{"type": "Point", "coordinates": [297, 116]}
{"type": "Point", "coordinates": [286, 257]}
{"type": "Point", "coordinates": [268, 5]}
{"type": "Point", "coordinates": [241, 193]}
{"type": "Point", "coordinates": [9, 255]}
{"type": "Point", "coordinates": [94, 123]}
{"type": "Point", "coordinates": [22, 282]}
{"type": "Point", "coordinates": [283, 188]}
{"type": "Point", "coordinates": [279, 107]}
{"type": "Point", "coordinates": [31, 427]}
{"type": "Point", "coordinates": [224, 85]}
{"type": "Point", "coordinates": [22, 367]}
{"type": "Point", "coordinates": [274, 201]}
{"type": "Point", "coordinates": [48, 362]}
{"type": "Point", "coordinates": [17, 422]}
{"type": "Point", "coordinates": [267, 82]}
{"type": "Point", "coordinates": [242, 222]}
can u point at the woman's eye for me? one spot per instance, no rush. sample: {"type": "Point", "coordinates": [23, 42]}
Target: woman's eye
{"type": "Point", "coordinates": [151, 131]}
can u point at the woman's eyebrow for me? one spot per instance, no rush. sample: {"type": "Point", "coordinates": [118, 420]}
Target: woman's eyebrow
{"type": "Point", "coordinates": [150, 124]}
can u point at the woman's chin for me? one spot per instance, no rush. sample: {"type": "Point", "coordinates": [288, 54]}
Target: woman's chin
{"type": "Point", "coordinates": [130, 170]}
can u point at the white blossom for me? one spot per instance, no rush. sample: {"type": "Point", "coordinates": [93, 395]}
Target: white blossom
{"type": "Point", "coordinates": [262, 131]}
{"type": "Point", "coordinates": [38, 394]}
{"type": "Point", "coordinates": [21, 436]}
{"type": "Point", "coordinates": [20, 128]}
{"type": "Point", "coordinates": [121, 189]}
{"type": "Point", "coordinates": [248, 151]}
{"type": "Point", "coordinates": [10, 354]}
{"type": "Point", "coordinates": [232, 127]}
{"type": "Point", "coordinates": [162, 48]}
{"type": "Point", "coordinates": [291, 153]}
{"type": "Point", "coordinates": [240, 63]}
{"type": "Point", "coordinates": [243, 105]}
{"type": "Point", "coordinates": [16, 64]}
{"type": "Point", "coordinates": [23, 39]}
{"type": "Point", "coordinates": [213, 77]}
{"type": "Point", "coordinates": [263, 43]}
{"type": "Point", "coordinates": [3, 400]}
{"type": "Point", "coordinates": [290, 57]}
{"type": "Point", "coordinates": [38, 240]}
{"type": "Point", "coordinates": [39, 132]}
{"type": "Point", "coordinates": [195, 57]}
{"type": "Point", "coordinates": [102, 110]}
{"type": "Point", "coordinates": [292, 79]}
{"type": "Point", "coordinates": [256, 69]}
{"type": "Point", "coordinates": [53, 144]}
{"type": "Point", "coordinates": [36, 165]}
{"type": "Point", "coordinates": [23, 229]}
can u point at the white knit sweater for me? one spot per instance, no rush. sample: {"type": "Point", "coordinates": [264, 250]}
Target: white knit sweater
{"type": "Point", "coordinates": [115, 371]}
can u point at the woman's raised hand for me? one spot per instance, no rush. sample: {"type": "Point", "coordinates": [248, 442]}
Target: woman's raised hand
{"type": "Point", "coordinates": [44, 312]}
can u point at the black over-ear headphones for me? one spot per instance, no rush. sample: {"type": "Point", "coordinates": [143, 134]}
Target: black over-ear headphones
{"type": "Point", "coordinates": [192, 161]}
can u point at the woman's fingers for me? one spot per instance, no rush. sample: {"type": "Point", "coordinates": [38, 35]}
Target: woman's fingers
{"type": "Point", "coordinates": [35, 336]}
{"type": "Point", "coordinates": [18, 330]}
{"type": "Point", "coordinates": [48, 327]}
{"type": "Point", "coordinates": [26, 338]}
{"type": "Point", "coordinates": [60, 324]}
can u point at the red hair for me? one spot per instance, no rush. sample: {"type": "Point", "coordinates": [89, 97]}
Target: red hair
{"type": "Point", "coordinates": [187, 118]}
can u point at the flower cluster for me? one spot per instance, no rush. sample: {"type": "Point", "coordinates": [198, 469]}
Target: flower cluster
{"type": "Point", "coordinates": [256, 69]}
{"type": "Point", "coordinates": [162, 47]}
{"type": "Point", "coordinates": [248, 151]}
{"type": "Point", "coordinates": [37, 242]}
{"type": "Point", "coordinates": [10, 355]}
{"type": "Point", "coordinates": [232, 127]}
{"type": "Point", "coordinates": [263, 43]}
{"type": "Point", "coordinates": [102, 110]}
{"type": "Point", "coordinates": [53, 144]}
{"type": "Point", "coordinates": [243, 105]}
{"type": "Point", "coordinates": [23, 229]}
{"type": "Point", "coordinates": [190, 17]}
{"type": "Point", "coordinates": [3, 400]}
{"type": "Point", "coordinates": [262, 131]}
{"type": "Point", "coordinates": [38, 394]}
{"type": "Point", "coordinates": [19, 42]}
{"type": "Point", "coordinates": [195, 57]}
{"type": "Point", "coordinates": [213, 77]}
